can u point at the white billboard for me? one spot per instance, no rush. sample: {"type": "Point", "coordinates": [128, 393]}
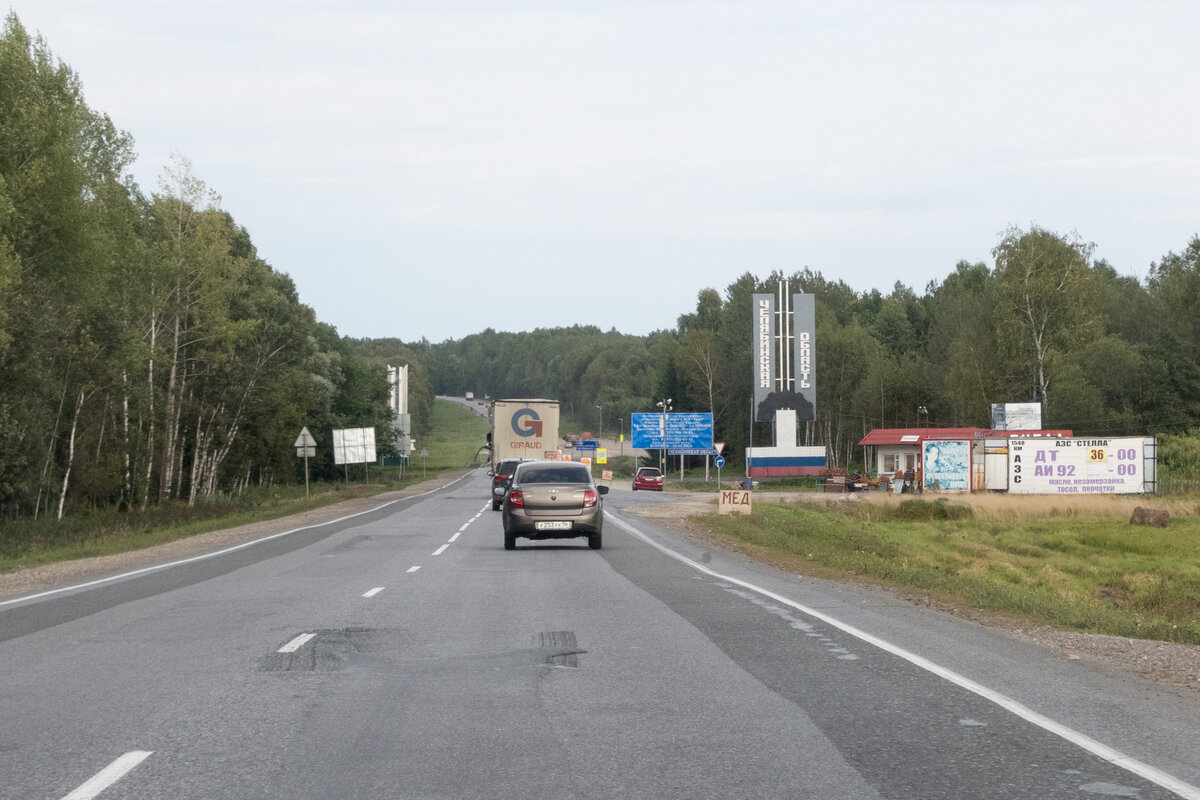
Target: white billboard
{"type": "Point", "coordinates": [1016, 416]}
{"type": "Point", "coordinates": [354, 446]}
{"type": "Point", "coordinates": [1078, 466]}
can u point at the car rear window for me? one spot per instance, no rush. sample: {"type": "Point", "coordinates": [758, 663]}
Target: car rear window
{"type": "Point", "coordinates": [554, 473]}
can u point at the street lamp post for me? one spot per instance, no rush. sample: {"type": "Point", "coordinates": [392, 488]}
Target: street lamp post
{"type": "Point", "coordinates": [665, 405]}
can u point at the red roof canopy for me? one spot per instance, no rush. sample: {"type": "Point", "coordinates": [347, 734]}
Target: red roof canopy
{"type": "Point", "coordinates": [885, 436]}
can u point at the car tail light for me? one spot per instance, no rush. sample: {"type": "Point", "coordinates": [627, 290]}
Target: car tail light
{"type": "Point", "coordinates": [590, 498]}
{"type": "Point", "coordinates": [516, 499]}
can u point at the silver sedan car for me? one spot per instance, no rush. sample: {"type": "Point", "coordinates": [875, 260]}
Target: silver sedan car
{"type": "Point", "coordinates": [553, 500]}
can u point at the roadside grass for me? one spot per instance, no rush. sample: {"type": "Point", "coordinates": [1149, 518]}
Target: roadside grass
{"type": "Point", "coordinates": [1096, 574]}
{"type": "Point", "coordinates": [457, 435]}
{"type": "Point", "coordinates": [28, 542]}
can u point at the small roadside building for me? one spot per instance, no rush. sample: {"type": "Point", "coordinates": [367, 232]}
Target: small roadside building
{"type": "Point", "coordinates": [946, 459]}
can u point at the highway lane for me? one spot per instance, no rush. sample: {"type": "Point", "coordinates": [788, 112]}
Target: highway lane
{"type": "Point", "coordinates": [438, 665]}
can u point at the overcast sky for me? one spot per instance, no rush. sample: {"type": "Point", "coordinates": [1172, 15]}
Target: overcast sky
{"type": "Point", "coordinates": [431, 169]}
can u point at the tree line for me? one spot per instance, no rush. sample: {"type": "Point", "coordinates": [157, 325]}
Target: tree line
{"type": "Point", "coordinates": [149, 355]}
{"type": "Point", "coordinates": [1104, 354]}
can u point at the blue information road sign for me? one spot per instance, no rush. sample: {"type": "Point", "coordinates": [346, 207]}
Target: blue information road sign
{"type": "Point", "coordinates": [684, 432]}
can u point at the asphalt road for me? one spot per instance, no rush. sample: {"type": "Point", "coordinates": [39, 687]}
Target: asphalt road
{"type": "Point", "coordinates": [404, 654]}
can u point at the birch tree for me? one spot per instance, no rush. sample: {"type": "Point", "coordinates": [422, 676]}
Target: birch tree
{"type": "Point", "coordinates": [1044, 281]}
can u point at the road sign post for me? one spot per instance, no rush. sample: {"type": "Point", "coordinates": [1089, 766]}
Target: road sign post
{"type": "Point", "coordinates": [306, 448]}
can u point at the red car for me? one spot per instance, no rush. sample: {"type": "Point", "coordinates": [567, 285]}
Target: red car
{"type": "Point", "coordinates": [650, 478]}
{"type": "Point", "coordinates": [501, 479]}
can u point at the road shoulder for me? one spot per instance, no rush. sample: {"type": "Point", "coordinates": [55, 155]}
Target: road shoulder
{"type": "Point", "coordinates": [65, 573]}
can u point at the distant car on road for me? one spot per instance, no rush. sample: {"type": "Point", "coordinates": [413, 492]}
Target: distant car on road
{"type": "Point", "coordinates": [553, 500]}
{"type": "Point", "coordinates": [649, 478]}
{"type": "Point", "coordinates": [501, 477]}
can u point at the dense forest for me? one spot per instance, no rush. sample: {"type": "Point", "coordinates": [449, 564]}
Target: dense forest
{"type": "Point", "coordinates": [148, 354]}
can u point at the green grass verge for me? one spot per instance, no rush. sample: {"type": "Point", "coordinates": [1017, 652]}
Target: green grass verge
{"type": "Point", "coordinates": [458, 433]}
{"type": "Point", "coordinates": [1092, 574]}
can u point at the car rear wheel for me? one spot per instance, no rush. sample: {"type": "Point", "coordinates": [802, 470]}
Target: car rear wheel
{"type": "Point", "coordinates": [510, 541]}
{"type": "Point", "coordinates": [594, 540]}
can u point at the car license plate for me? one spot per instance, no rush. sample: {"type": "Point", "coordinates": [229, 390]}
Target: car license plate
{"type": "Point", "coordinates": [554, 526]}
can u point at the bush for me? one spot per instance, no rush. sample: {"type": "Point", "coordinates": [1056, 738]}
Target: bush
{"type": "Point", "coordinates": [940, 509]}
{"type": "Point", "coordinates": [1179, 456]}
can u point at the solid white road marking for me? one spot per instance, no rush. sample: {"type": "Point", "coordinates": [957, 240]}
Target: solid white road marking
{"type": "Point", "coordinates": [1082, 740]}
{"type": "Point", "coordinates": [297, 643]}
{"type": "Point", "coordinates": [373, 592]}
{"type": "Point", "coordinates": [109, 775]}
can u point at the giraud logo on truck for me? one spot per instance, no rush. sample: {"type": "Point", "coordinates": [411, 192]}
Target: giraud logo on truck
{"type": "Point", "coordinates": [526, 423]}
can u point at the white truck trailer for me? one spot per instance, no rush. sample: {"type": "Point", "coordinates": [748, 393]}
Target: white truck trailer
{"type": "Point", "coordinates": [523, 428]}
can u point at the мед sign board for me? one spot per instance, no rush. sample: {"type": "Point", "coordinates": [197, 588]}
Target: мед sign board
{"type": "Point", "coordinates": [1076, 466]}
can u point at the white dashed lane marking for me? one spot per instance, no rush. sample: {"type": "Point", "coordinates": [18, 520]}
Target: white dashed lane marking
{"type": "Point", "coordinates": [297, 643]}
{"type": "Point", "coordinates": [109, 775]}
